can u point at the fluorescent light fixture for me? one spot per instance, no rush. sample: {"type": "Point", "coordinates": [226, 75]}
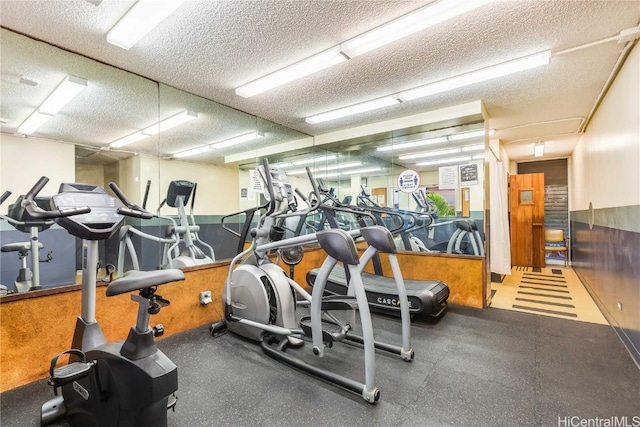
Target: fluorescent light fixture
{"type": "Point", "coordinates": [346, 165]}
{"type": "Point", "coordinates": [430, 154]}
{"type": "Point", "coordinates": [65, 92]}
{"type": "Point", "coordinates": [404, 26]}
{"type": "Point", "coordinates": [296, 172]}
{"type": "Point", "coordinates": [365, 170]}
{"type": "Point", "coordinates": [408, 24]}
{"type": "Point", "coordinates": [281, 165]}
{"type": "Point", "coordinates": [170, 122]}
{"type": "Point", "coordinates": [538, 149]}
{"type": "Point", "coordinates": [412, 144]}
{"type": "Point", "coordinates": [130, 139]}
{"type": "Point", "coordinates": [466, 135]}
{"type": "Point", "coordinates": [340, 166]}
{"type": "Point", "coordinates": [155, 128]}
{"type": "Point", "coordinates": [473, 77]}
{"type": "Point", "coordinates": [445, 161]}
{"type": "Point", "coordinates": [478, 76]}
{"type": "Point", "coordinates": [33, 122]}
{"type": "Point", "coordinates": [354, 109]}
{"type": "Point", "coordinates": [327, 175]}
{"type": "Point", "coordinates": [476, 147]}
{"type": "Point", "coordinates": [351, 172]}
{"type": "Point", "coordinates": [293, 72]}
{"type": "Point", "coordinates": [315, 160]}
{"type": "Point", "coordinates": [236, 140]}
{"type": "Point", "coordinates": [143, 17]}
{"type": "Point", "coordinates": [61, 96]}
{"type": "Point", "coordinates": [191, 152]}
{"type": "Point", "coordinates": [478, 157]}
{"type": "Point", "coordinates": [325, 168]}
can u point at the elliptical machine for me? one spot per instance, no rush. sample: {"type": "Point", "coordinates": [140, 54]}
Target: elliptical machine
{"type": "Point", "coordinates": [28, 277]}
{"type": "Point", "coordinates": [129, 383]}
{"type": "Point", "coordinates": [260, 302]}
{"type": "Point", "coordinates": [185, 234]}
{"type": "Point", "coordinates": [182, 247]}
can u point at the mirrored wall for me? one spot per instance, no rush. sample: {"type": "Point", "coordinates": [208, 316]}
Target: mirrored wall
{"type": "Point", "coordinates": [191, 162]}
{"type": "Point", "coordinates": [166, 149]}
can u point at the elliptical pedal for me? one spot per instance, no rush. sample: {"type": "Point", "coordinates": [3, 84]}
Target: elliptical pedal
{"type": "Point", "coordinates": [339, 302]}
{"type": "Point", "coordinates": [331, 331]}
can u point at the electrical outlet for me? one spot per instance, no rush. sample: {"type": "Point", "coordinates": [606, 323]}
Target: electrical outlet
{"type": "Point", "coordinates": [205, 297]}
{"type": "Point", "coordinates": [619, 306]}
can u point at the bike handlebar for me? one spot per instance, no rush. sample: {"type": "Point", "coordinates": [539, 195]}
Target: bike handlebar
{"type": "Point", "coordinates": [36, 212]}
{"type": "Point", "coordinates": [129, 209]}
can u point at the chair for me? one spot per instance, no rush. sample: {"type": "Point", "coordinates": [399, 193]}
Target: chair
{"type": "Point", "coordinates": [554, 242]}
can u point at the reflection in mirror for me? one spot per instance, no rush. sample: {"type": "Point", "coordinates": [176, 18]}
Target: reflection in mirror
{"type": "Point", "coordinates": [197, 154]}
{"type": "Point", "coordinates": [72, 142]}
{"type": "Point", "coordinates": [424, 182]}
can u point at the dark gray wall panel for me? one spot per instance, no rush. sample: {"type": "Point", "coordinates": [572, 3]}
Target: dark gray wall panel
{"type": "Point", "coordinates": [607, 260]}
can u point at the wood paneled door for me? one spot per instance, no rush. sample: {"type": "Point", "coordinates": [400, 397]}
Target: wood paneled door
{"type": "Point", "coordinates": [527, 220]}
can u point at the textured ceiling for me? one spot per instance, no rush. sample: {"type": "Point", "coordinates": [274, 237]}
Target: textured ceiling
{"type": "Point", "coordinates": [208, 48]}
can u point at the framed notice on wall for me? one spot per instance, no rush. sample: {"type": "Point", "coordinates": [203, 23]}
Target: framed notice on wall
{"type": "Point", "coordinates": [468, 175]}
{"type": "Point", "coordinates": [448, 177]}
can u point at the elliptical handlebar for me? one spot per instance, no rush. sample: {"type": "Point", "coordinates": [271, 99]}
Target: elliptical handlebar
{"type": "Point", "coordinates": [271, 211]}
{"type": "Point", "coordinates": [29, 204]}
{"type": "Point", "coordinates": [269, 182]}
{"type": "Point", "coordinates": [193, 197]}
{"type": "Point", "coordinates": [312, 204]}
{"type": "Point", "coordinates": [130, 209]}
{"type": "Point", "coordinates": [4, 196]}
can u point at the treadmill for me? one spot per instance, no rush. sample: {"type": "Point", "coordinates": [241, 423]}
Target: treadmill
{"type": "Point", "coordinates": [426, 297]}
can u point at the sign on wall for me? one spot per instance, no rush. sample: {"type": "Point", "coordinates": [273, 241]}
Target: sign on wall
{"type": "Point", "coordinates": [448, 177]}
{"type": "Point", "coordinates": [468, 175]}
{"type": "Point", "coordinates": [255, 181]}
{"type": "Point", "coordinates": [408, 181]}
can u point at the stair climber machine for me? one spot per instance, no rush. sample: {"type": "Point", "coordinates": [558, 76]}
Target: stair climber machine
{"type": "Point", "coordinates": [129, 383]}
{"type": "Point", "coordinates": [28, 277]}
{"type": "Point", "coordinates": [425, 297]}
{"type": "Point", "coordinates": [260, 300]}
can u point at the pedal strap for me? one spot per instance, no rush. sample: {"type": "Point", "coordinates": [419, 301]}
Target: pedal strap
{"type": "Point", "coordinates": [61, 376]}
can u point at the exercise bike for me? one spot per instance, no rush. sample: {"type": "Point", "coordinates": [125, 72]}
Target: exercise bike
{"type": "Point", "coordinates": [130, 383]}
{"type": "Point", "coordinates": [260, 300]}
{"type": "Point", "coordinates": [28, 276]}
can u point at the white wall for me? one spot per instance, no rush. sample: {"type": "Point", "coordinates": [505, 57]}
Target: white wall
{"type": "Point", "coordinates": [24, 160]}
{"type": "Point", "coordinates": [90, 174]}
{"type": "Point", "coordinates": [218, 191]}
{"type": "Point", "coordinates": [606, 160]}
